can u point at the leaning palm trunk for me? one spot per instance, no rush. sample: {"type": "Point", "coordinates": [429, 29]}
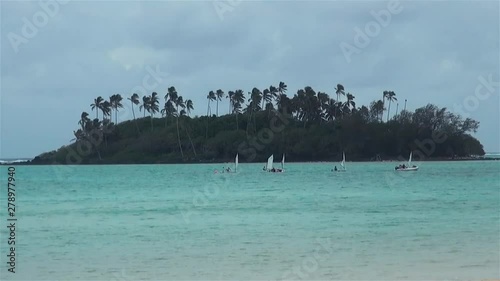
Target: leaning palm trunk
{"type": "Point", "coordinates": [206, 125]}
{"type": "Point", "coordinates": [192, 145]}
{"type": "Point", "coordinates": [389, 111]}
{"type": "Point", "coordinates": [179, 138]}
{"type": "Point", "coordinates": [151, 122]}
{"type": "Point", "coordinates": [135, 121]}
{"type": "Point", "coordinates": [383, 108]}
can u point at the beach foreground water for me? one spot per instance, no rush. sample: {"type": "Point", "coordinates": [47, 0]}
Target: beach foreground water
{"type": "Point", "coordinates": [183, 222]}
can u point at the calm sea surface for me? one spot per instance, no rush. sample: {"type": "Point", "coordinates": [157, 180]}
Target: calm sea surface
{"type": "Point", "coordinates": [183, 222]}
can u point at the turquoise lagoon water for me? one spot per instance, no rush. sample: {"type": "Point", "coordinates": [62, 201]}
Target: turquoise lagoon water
{"type": "Point", "coordinates": [182, 222]}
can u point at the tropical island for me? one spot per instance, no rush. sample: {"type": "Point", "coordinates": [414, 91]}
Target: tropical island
{"type": "Point", "coordinates": [310, 126]}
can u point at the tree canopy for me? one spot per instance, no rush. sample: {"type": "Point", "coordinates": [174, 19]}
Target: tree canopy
{"type": "Point", "coordinates": [310, 126]}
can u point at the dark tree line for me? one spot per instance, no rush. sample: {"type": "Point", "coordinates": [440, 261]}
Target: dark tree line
{"type": "Point", "coordinates": [318, 128]}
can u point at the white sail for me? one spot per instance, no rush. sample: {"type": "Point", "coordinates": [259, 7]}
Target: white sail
{"type": "Point", "coordinates": [283, 162]}
{"type": "Point", "coordinates": [270, 163]}
{"type": "Point", "coordinates": [409, 160]}
{"type": "Point", "coordinates": [236, 163]}
{"type": "Point", "coordinates": [343, 161]}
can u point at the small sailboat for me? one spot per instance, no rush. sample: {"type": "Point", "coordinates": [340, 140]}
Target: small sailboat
{"type": "Point", "coordinates": [269, 166]}
{"type": "Point", "coordinates": [236, 163]}
{"type": "Point", "coordinates": [283, 163]}
{"type": "Point", "coordinates": [228, 170]}
{"type": "Point", "coordinates": [408, 168]}
{"type": "Point", "coordinates": [342, 165]}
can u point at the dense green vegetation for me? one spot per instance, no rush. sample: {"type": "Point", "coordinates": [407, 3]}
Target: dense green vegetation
{"type": "Point", "coordinates": [310, 126]}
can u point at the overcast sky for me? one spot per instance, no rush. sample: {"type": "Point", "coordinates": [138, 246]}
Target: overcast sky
{"type": "Point", "coordinates": [428, 52]}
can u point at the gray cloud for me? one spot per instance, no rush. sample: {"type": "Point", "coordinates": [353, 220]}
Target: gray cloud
{"type": "Point", "coordinates": [433, 51]}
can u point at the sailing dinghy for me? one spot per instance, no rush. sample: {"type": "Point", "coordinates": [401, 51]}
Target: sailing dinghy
{"type": "Point", "coordinates": [269, 165]}
{"type": "Point", "coordinates": [409, 168]}
{"type": "Point", "coordinates": [342, 165]}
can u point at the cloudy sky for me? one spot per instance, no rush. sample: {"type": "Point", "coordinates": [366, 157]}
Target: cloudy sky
{"type": "Point", "coordinates": [56, 60]}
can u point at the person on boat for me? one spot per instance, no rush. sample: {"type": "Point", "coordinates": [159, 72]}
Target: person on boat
{"type": "Point", "coordinates": [335, 169]}
{"type": "Point", "coordinates": [404, 166]}
{"type": "Point", "coordinates": [223, 169]}
{"type": "Point", "coordinates": [264, 168]}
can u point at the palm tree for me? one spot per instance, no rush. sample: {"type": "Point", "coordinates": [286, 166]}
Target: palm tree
{"type": "Point", "coordinates": [238, 98]}
{"type": "Point", "coordinates": [84, 118]}
{"type": "Point", "coordinates": [116, 102]}
{"type": "Point", "coordinates": [349, 105]}
{"type": "Point", "coordinates": [168, 110]}
{"type": "Point", "coordinates": [254, 106]}
{"type": "Point", "coordinates": [339, 90]}
{"type": "Point", "coordinates": [134, 100]}
{"type": "Point", "coordinates": [153, 106]}
{"type": "Point", "coordinates": [97, 105]}
{"type": "Point", "coordinates": [173, 97]}
{"type": "Point", "coordinates": [323, 100]}
{"type": "Point", "coordinates": [219, 95]}
{"type": "Point", "coordinates": [376, 109]}
{"type": "Point", "coordinates": [391, 96]}
{"type": "Point", "coordinates": [273, 91]}
{"type": "Point", "coordinates": [179, 103]}
{"type": "Point", "coordinates": [283, 103]}
{"type": "Point", "coordinates": [229, 96]}
{"type": "Point", "coordinates": [282, 88]}
{"type": "Point", "coordinates": [331, 110]}
{"type": "Point", "coordinates": [145, 105]}
{"type": "Point", "coordinates": [91, 126]}
{"type": "Point", "coordinates": [266, 97]}
{"type": "Point", "coordinates": [210, 97]}
{"type": "Point", "coordinates": [385, 94]}
{"type": "Point", "coordinates": [106, 109]}
{"type": "Point", "coordinates": [189, 106]}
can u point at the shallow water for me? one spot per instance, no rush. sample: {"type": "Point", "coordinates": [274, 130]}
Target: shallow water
{"type": "Point", "coordinates": [182, 222]}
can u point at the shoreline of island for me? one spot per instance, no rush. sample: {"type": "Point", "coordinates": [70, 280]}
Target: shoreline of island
{"type": "Point", "coordinates": [436, 159]}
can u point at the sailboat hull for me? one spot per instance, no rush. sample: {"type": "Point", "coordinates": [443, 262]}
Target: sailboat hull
{"type": "Point", "coordinates": [406, 169]}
